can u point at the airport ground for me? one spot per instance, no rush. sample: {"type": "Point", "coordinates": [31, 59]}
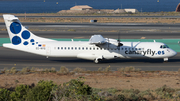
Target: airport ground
{"type": "Point", "coordinates": [10, 58]}
{"type": "Point", "coordinates": [144, 17]}
{"type": "Point", "coordinates": [143, 81]}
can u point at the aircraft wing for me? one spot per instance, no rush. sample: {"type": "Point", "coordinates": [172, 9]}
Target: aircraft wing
{"type": "Point", "coordinates": [97, 40]}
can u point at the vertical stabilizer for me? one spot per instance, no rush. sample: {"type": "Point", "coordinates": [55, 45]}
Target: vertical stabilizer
{"type": "Point", "coordinates": [18, 34]}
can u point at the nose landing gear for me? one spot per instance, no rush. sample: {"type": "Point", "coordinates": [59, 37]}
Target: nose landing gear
{"type": "Point", "coordinates": [165, 59]}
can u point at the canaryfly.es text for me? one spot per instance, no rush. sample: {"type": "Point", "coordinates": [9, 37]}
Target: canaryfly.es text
{"type": "Point", "coordinates": [147, 52]}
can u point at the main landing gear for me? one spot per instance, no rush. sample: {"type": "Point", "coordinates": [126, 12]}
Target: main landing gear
{"type": "Point", "coordinates": [97, 60]}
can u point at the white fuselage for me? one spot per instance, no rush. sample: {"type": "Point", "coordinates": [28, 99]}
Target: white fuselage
{"type": "Point", "coordinates": [90, 51]}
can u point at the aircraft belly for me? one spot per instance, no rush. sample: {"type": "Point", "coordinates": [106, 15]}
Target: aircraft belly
{"type": "Point", "coordinates": [25, 49]}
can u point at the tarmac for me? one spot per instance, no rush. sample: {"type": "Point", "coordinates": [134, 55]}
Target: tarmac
{"type": "Point", "coordinates": [11, 58]}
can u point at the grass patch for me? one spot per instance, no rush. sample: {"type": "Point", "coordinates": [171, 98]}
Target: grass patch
{"type": "Point", "coordinates": [77, 90]}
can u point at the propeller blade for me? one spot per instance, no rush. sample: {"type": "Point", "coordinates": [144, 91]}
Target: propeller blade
{"type": "Point", "coordinates": [119, 42]}
{"type": "Point", "coordinates": [131, 44]}
{"type": "Point", "coordinates": [136, 45]}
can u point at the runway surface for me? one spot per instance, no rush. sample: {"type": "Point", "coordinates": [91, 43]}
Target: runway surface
{"type": "Point", "coordinates": [100, 16]}
{"type": "Point", "coordinates": [12, 58]}
{"type": "Point", "coordinates": [101, 25]}
{"type": "Point", "coordinates": [110, 30]}
{"type": "Point", "coordinates": [87, 35]}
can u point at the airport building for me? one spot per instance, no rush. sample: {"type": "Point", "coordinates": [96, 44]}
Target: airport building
{"type": "Point", "coordinates": [88, 9]}
{"type": "Point", "coordinates": [119, 11]}
{"type": "Point", "coordinates": [131, 10]}
{"type": "Point", "coordinates": [81, 7]}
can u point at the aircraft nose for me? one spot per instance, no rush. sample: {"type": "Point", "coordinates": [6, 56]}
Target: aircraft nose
{"type": "Point", "coordinates": [173, 53]}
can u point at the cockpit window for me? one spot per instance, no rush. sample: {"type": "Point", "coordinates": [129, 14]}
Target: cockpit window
{"type": "Point", "coordinates": [164, 46]}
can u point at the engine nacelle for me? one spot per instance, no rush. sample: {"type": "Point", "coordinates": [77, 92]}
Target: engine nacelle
{"type": "Point", "coordinates": [87, 56]}
{"type": "Point", "coordinates": [109, 56]}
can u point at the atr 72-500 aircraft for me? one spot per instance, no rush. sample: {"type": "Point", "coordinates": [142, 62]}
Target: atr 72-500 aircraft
{"type": "Point", "coordinates": [96, 49]}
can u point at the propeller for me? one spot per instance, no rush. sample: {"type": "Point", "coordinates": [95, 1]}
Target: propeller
{"type": "Point", "coordinates": [135, 45]}
{"type": "Point", "coordinates": [119, 42]}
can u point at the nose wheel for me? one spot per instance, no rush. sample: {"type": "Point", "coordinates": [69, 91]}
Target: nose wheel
{"type": "Point", "coordinates": [165, 59]}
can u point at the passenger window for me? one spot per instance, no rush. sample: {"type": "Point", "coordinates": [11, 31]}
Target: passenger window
{"type": "Point", "coordinates": [68, 48]}
{"type": "Point", "coordinates": [97, 48]}
{"type": "Point", "coordinates": [75, 48]}
{"type": "Point", "coordinates": [83, 48]}
{"type": "Point", "coordinates": [86, 48]}
{"type": "Point", "coordinates": [79, 48]}
{"type": "Point", "coordinates": [93, 48]}
{"type": "Point", "coordinates": [90, 48]}
{"type": "Point", "coordinates": [62, 48]}
{"type": "Point", "coordinates": [125, 48]}
{"type": "Point", "coordinates": [65, 48]}
{"type": "Point", "coordinates": [72, 48]}
{"type": "Point", "coordinates": [58, 48]}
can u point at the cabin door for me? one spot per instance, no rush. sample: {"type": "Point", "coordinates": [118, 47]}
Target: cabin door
{"type": "Point", "coordinates": [48, 51]}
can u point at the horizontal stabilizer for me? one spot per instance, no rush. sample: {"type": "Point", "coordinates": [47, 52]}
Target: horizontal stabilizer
{"type": "Point", "coordinates": [97, 39]}
{"type": "Point", "coordinates": [10, 17]}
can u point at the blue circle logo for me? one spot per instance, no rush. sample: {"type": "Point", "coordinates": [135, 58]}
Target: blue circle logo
{"type": "Point", "coordinates": [25, 35]}
{"type": "Point", "coordinates": [25, 43]}
{"type": "Point", "coordinates": [15, 27]}
{"type": "Point", "coordinates": [16, 40]}
{"type": "Point", "coordinates": [32, 40]}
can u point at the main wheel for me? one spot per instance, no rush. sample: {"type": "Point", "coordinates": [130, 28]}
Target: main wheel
{"type": "Point", "coordinates": [96, 61]}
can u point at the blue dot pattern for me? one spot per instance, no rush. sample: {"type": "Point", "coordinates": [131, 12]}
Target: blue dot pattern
{"type": "Point", "coordinates": [32, 40]}
{"type": "Point", "coordinates": [15, 27]}
{"type": "Point", "coordinates": [16, 40]}
{"type": "Point", "coordinates": [25, 43]}
{"type": "Point", "coordinates": [25, 35]}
